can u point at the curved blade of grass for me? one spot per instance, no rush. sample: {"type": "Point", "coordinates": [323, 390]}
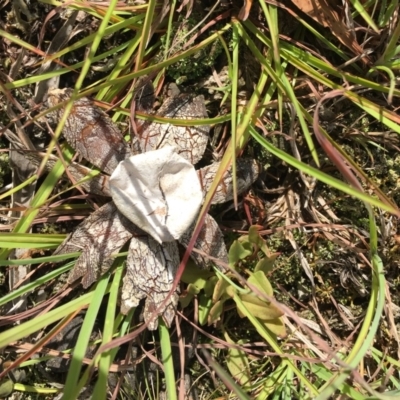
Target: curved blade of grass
{"type": "Point", "coordinates": [131, 23]}
{"type": "Point", "coordinates": [273, 382]}
{"type": "Point", "coordinates": [106, 358]}
{"type": "Point", "coordinates": [361, 10]}
{"type": "Point", "coordinates": [387, 117]}
{"type": "Point", "coordinates": [274, 344]}
{"type": "Point", "coordinates": [167, 359]}
{"type": "Point", "coordinates": [19, 187]}
{"type": "Point", "coordinates": [368, 330]}
{"type": "Point", "coordinates": [386, 13]}
{"type": "Point", "coordinates": [145, 34]}
{"type": "Point", "coordinates": [40, 199]}
{"type": "Point", "coordinates": [82, 75]}
{"type": "Point", "coordinates": [377, 301]}
{"type": "Point", "coordinates": [321, 176]}
{"type": "Point", "coordinates": [123, 80]}
{"type": "Point", "coordinates": [242, 137]}
{"type": "Point", "coordinates": [145, 71]}
{"type": "Point", "coordinates": [284, 87]}
{"type": "Point", "coordinates": [51, 74]}
{"type": "Point", "coordinates": [30, 240]}
{"type": "Point", "coordinates": [225, 377]}
{"type": "Point", "coordinates": [321, 38]}
{"type": "Point", "coordinates": [27, 328]}
{"type": "Point", "coordinates": [338, 155]}
{"type": "Point", "coordinates": [39, 260]}
{"type": "Point", "coordinates": [392, 48]}
{"type": "Point", "coordinates": [31, 286]}
{"type": "Point", "coordinates": [40, 343]}
{"type": "Point", "coordinates": [305, 62]}
{"type": "Point", "coordinates": [111, 91]}
{"type": "Point", "coordinates": [271, 16]}
{"type": "Point", "coordinates": [234, 68]}
{"type": "Point", "coordinates": [185, 122]}
{"type": "Point", "coordinates": [72, 387]}
{"type": "Point", "coordinates": [324, 375]}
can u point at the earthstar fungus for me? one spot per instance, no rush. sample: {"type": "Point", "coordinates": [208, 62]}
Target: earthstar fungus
{"type": "Point", "coordinates": [147, 210]}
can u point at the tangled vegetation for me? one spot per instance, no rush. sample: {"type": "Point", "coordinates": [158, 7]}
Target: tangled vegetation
{"type": "Point", "coordinates": [310, 305]}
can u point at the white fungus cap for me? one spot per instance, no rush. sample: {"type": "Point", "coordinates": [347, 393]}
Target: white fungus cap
{"type": "Point", "coordinates": [159, 191]}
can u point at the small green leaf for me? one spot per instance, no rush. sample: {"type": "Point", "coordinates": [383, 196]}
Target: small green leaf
{"type": "Point", "coordinates": [259, 308]}
{"type": "Point", "coordinates": [266, 264]}
{"type": "Point", "coordinates": [185, 299]}
{"type": "Point", "coordinates": [255, 238]}
{"type": "Point", "coordinates": [210, 286]}
{"type": "Point", "coordinates": [215, 312]}
{"type": "Point", "coordinates": [238, 365]}
{"type": "Point", "coordinates": [261, 282]}
{"type": "Point", "coordinates": [230, 292]}
{"type": "Point", "coordinates": [6, 388]}
{"type": "Point", "coordinates": [244, 239]}
{"type": "Point", "coordinates": [193, 289]}
{"type": "Point", "coordinates": [239, 251]}
{"type": "Point", "coordinates": [196, 276]}
{"type": "Point", "coordinates": [205, 304]}
{"type": "Point", "coordinates": [220, 289]}
{"type": "Point", "coordinates": [276, 326]}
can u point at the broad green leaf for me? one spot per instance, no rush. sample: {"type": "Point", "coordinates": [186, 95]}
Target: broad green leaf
{"type": "Point", "coordinates": [254, 237]}
{"type": "Point", "coordinates": [185, 299]}
{"type": "Point", "coordinates": [205, 304]}
{"type": "Point", "coordinates": [220, 289]}
{"type": "Point", "coordinates": [215, 312]}
{"type": "Point", "coordinates": [238, 363]}
{"type": "Point", "coordinates": [266, 264]}
{"type": "Point", "coordinates": [276, 326]}
{"type": "Point", "coordinates": [255, 240]}
{"type": "Point", "coordinates": [259, 280]}
{"type": "Point", "coordinates": [259, 308]}
{"type": "Point", "coordinates": [210, 286]}
{"type": "Point", "coordinates": [239, 251]}
{"type": "Point", "coordinates": [195, 275]}
{"type": "Point", "coordinates": [6, 388]}
{"type": "Point", "coordinates": [193, 289]}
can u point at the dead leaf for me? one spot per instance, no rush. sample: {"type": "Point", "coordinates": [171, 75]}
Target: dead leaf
{"type": "Point", "coordinates": [330, 16]}
{"type": "Point", "coordinates": [245, 10]}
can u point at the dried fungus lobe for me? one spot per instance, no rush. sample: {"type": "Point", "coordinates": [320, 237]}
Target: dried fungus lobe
{"type": "Point", "coordinates": [247, 171]}
{"type": "Point", "coordinates": [190, 142]}
{"type": "Point", "coordinates": [99, 236]}
{"type": "Point", "coordinates": [98, 184]}
{"type": "Point", "coordinates": [150, 273]}
{"type": "Point", "coordinates": [90, 131]}
{"type": "Point", "coordinates": [210, 241]}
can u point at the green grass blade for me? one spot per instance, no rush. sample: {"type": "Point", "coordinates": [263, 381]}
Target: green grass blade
{"type": "Point", "coordinates": [167, 359]}
{"type": "Point", "coordinates": [72, 387]}
{"type": "Point", "coordinates": [106, 358]}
